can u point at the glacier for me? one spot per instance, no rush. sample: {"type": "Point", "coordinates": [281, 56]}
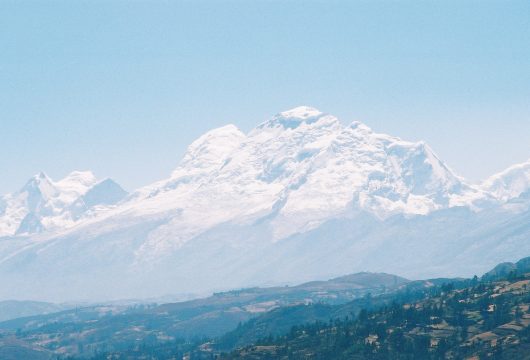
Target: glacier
{"type": "Point", "coordinates": [300, 197]}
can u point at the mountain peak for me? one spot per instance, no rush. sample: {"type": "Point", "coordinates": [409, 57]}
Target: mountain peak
{"type": "Point", "coordinates": [211, 148]}
{"type": "Point", "coordinates": [213, 135]}
{"type": "Point", "coordinates": [293, 118]}
{"type": "Point", "coordinates": [510, 183]}
{"type": "Point", "coordinates": [37, 181]}
{"type": "Point", "coordinates": [105, 192]}
{"type": "Point", "coordinates": [78, 178]}
{"type": "Point", "coordinates": [300, 112]}
{"type": "Point", "coordinates": [40, 176]}
{"type": "Point", "coordinates": [78, 174]}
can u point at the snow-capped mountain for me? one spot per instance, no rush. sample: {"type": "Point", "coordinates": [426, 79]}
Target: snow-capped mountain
{"type": "Point", "coordinates": [43, 204]}
{"type": "Point", "coordinates": [299, 197]}
{"type": "Point", "coordinates": [298, 170]}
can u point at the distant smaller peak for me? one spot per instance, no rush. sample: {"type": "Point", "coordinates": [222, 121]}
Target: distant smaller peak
{"type": "Point", "coordinates": [510, 183]}
{"type": "Point", "coordinates": [105, 192]}
{"type": "Point", "coordinates": [108, 182]}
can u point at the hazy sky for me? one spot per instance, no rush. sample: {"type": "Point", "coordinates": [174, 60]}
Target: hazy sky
{"type": "Point", "coordinates": [122, 88]}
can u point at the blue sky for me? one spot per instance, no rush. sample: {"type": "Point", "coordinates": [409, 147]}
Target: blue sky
{"type": "Point", "coordinates": [122, 88]}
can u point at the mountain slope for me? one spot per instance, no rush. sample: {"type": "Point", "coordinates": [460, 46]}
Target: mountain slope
{"type": "Point", "coordinates": [480, 321]}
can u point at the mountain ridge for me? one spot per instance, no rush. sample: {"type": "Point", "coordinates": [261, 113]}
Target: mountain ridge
{"type": "Point", "coordinates": [299, 197]}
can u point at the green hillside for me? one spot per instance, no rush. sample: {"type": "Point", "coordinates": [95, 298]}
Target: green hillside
{"type": "Point", "coordinates": [481, 321]}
